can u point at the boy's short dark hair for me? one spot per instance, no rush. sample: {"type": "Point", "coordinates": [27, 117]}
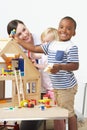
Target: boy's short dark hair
{"type": "Point", "coordinates": [70, 18]}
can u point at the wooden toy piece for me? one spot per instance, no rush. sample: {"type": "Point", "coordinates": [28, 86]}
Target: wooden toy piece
{"type": "Point", "coordinates": [48, 68]}
{"type": "Point", "coordinates": [9, 59]}
{"type": "Point", "coordinates": [3, 101]}
{"type": "Point", "coordinates": [19, 86]}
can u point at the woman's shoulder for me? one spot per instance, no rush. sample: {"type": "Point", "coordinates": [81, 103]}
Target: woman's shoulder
{"type": "Point", "coordinates": [36, 38]}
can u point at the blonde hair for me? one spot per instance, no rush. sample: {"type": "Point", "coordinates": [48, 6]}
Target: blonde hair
{"type": "Point", "coordinates": [52, 31]}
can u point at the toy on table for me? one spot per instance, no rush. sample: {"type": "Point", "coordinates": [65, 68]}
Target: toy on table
{"type": "Point", "coordinates": [28, 103]}
{"type": "Point", "coordinates": [46, 102]}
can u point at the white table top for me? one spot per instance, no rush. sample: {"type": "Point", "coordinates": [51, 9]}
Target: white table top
{"type": "Point", "coordinates": [35, 113]}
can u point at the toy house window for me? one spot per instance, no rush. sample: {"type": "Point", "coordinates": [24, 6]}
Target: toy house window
{"type": "Point", "coordinates": [28, 88]}
{"type": "Point", "coordinates": [31, 87]}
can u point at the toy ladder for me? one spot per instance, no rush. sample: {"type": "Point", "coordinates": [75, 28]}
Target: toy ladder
{"type": "Point", "coordinates": [19, 85]}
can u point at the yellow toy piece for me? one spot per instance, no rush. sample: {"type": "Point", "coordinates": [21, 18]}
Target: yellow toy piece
{"type": "Point", "coordinates": [44, 100]}
{"type": "Point", "coordinates": [23, 103]}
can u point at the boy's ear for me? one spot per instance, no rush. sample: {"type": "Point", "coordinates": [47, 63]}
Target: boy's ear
{"type": "Point", "coordinates": [74, 33]}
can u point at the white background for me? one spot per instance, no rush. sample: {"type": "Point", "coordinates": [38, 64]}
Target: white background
{"type": "Point", "coordinates": [40, 14]}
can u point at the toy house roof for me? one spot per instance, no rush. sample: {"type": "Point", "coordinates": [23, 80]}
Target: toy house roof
{"type": "Point", "coordinates": [9, 46]}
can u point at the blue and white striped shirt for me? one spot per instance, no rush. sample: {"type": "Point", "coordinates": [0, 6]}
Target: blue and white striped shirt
{"type": "Point", "coordinates": [61, 53]}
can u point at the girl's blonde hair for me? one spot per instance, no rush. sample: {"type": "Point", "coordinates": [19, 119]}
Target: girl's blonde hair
{"type": "Point", "coordinates": [52, 31]}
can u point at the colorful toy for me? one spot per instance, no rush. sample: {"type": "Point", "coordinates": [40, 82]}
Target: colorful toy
{"type": "Point", "coordinates": [24, 103]}
{"type": "Point", "coordinates": [46, 102]}
{"type": "Point", "coordinates": [27, 103]}
{"type": "Point", "coordinates": [13, 32]}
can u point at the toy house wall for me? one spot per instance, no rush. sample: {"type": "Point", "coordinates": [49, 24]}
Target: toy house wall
{"type": "Point", "coordinates": [30, 75]}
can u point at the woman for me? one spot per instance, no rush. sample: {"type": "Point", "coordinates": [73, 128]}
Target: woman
{"type": "Point", "coordinates": [16, 28]}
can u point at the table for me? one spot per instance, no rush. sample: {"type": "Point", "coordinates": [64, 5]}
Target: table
{"type": "Point", "coordinates": [18, 114]}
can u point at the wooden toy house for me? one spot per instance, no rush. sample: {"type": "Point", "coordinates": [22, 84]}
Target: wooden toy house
{"type": "Point", "coordinates": [30, 76]}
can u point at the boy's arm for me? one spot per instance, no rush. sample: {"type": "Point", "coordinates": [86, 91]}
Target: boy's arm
{"type": "Point", "coordinates": [30, 46]}
{"type": "Point", "coordinates": [67, 67]}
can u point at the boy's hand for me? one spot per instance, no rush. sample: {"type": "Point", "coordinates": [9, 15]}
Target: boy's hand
{"type": "Point", "coordinates": [48, 68]}
{"type": "Point", "coordinates": [55, 68]}
{"type": "Point", "coordinates": [20, 41]}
